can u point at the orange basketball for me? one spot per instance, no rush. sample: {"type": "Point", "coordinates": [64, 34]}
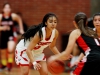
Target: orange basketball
{"type": "Point", "coordinates": [55, 67]}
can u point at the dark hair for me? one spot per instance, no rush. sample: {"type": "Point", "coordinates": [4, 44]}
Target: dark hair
{"type": "Point", "coordinates": [35, 28]}
{"type": "Point", "coordinates": [96, 14]}
{"type": "Point", "coordinates": [90, 22]}
{"type": "Point", "coordinates": [6, 4]}
{"type": "Point", "coordinates": [81, 19]}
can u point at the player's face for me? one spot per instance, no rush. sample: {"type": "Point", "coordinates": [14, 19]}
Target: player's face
{"type": "Point", "coordinates": [96, 22]}
{"type": "Point", "coordinates": [7, 8]}
{"type": "Point", "coordinates": [51, 23]}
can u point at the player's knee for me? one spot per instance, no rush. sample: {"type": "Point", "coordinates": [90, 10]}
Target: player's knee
{"type": "Point", "coordinates": [44, 72]}
{"type": "Point", "coordinates": [25, 72]}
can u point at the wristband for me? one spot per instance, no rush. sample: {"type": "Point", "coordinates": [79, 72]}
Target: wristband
{"type": "Point", "coordinates": [34, 63]}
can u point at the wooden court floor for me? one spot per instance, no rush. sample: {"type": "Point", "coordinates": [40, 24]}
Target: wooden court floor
{"type": "Point", "coordinates": [16, 71]}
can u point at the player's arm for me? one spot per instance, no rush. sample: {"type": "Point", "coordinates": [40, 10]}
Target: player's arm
{"type": "Point", "coordinates": [19, 20]}
{"type": "Point", "coordinates": [52, 45]}
{"type": "Point", "coordinates": [69, 48]}
{"type": "Point", "coordinates": [30, 53]}
{"type": "Point", "coordinates": [31, 46]}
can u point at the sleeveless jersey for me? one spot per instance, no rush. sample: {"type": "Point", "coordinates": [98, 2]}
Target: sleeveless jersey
{"type": "Point", "coordinates": [38, 49]}
{"type": "Point", "coordinates": [7, 22]}
{"type": "Point", "coordinates": [91, 48]}
{"type": "Point", "coordinates": [7, 35]}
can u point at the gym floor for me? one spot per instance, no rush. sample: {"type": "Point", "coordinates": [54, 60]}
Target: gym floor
{"type": "Point", "coordinates": [16, 71]}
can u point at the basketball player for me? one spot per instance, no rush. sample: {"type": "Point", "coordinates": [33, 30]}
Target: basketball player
{"type": "Point", "coordinates": [8, 35]}
{"type": "Point", "coordinates": [89, 43]}
{"type": "Point", "coordinates": [34, 41]}
{"type": "Point", "coordinates": [77, 55]}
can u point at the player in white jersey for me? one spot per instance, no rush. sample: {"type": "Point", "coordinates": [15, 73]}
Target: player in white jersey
{"type": "Point", "coordinates": [34, 41]}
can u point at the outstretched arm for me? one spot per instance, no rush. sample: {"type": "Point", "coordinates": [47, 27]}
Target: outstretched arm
{"type": "Point", "coordinates": [71, 43]}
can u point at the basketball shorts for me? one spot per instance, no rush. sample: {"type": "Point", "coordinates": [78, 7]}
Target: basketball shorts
{"type": "Point", "coordinates": [22, 59]}
{"type": "Point", "coordinates": [4, 41]}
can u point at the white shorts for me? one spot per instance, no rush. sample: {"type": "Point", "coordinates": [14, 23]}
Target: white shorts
{"type": "Point", "coordinates": [22, 59]}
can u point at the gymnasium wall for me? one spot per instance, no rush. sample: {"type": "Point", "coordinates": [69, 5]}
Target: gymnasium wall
{"type": "Point", "coordinates": [34, 10]}
{"type": "Point", "coordinates": [95, 6]}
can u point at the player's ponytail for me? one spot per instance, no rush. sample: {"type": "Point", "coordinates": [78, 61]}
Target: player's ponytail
{"type": "Point", "coordinates": [81, 19]}
{"type": "Point", "coordinates": [32, 30]}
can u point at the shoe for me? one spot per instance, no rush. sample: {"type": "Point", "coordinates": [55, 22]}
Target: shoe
{"type": "Point", "coordinates": [9, 66]}
{"type": "Point", "coordinates": [2, 67]}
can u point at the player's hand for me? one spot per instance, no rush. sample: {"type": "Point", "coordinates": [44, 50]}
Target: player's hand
{"type": "Point", "coordinates": [75, 63]}
{"type": "Point", "coordinates": [52, 58]}
{"type": "Point", "coordinates": [36, 65]}
{"type": "Point", "coordinates": [59, 57]}
{"type": "Point", "coordinates": [69, 57]}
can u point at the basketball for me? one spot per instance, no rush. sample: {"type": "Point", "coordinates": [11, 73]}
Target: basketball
{"type": "Point", "coordinates": [55, 66]}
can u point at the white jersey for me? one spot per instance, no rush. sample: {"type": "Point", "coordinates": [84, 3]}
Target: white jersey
{"type": "Point", "coordinates": [38, 50]}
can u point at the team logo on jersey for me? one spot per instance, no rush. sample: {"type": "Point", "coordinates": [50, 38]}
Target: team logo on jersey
{"type": "Point", "coordinates": [41, 44]}
{"type": "Point", "coordinates": [44, 43]}
{"type": "Point", "coordinates": [7, 23]}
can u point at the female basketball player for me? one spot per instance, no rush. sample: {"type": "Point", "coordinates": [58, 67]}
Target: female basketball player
{"type": "Point", "coordinates": [8, 35]}
{"type": "Point", "coordinates": [75, 62]}
{"type": "Point", "coordinates": [35, 40]}
{"type": "Point", "coordinates": [77, 55]}
{"type": "Point", "coordinates": [89, 43]}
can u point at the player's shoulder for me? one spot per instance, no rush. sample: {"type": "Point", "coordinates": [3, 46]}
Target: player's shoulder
{"type": "Point", "coordinates": [75, 33]}
{"type": "Point", "coordinates": [56, 32]}
{"type": "Point", "coordinates": [14, 15]}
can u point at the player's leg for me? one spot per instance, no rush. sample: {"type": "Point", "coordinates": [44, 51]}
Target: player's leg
{"type": "Point", "coordinates": [3, 58]}
{"type": "Point", "coordinates": [11, 49]}
{"type": "Point", "coordinates": [24, 70]}
{"type": "Point", "coordinates": [43, 70]}
{"type": "Point", "coordinates": [3, 52]}
{"type": "Point", "coordinates": [23, 63]}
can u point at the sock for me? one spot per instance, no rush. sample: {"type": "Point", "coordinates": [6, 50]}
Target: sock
{"type": "Point", "coordinates": [10, 64]}
{"type": "Point", "coordinates": [4, 62]}
{"type": "Point", "coordinates": [10, 60]}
